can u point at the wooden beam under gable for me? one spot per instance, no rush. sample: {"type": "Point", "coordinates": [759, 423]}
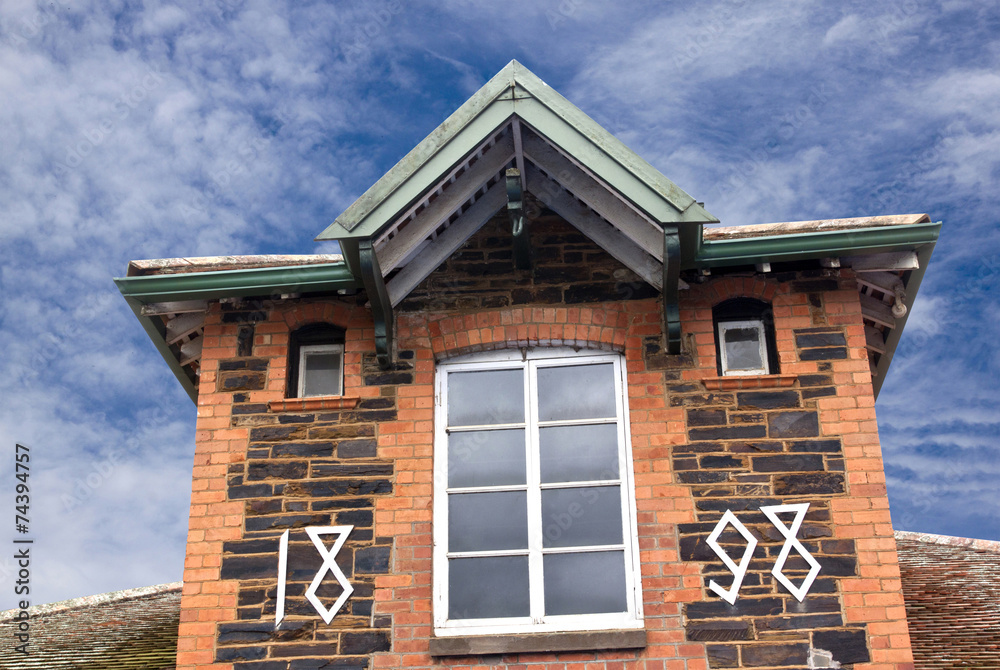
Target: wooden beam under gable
{"type": "Point", "coordinates": [593, 226]}
{"type": "Point", "coordinates": [439, 249]}
{"type": "Point", "coordinates": [393, 251]}
{"type": "Point", "coordinates": [640, 230]}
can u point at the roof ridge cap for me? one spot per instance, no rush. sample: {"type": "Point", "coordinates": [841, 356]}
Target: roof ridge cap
{"type": "Point", "coordinates": [992, 546]}
{"type": "Point", "coordinates": [97, 599]}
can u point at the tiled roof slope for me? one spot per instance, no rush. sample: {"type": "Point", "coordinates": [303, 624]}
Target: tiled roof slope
{"type": "Point", "coordinates": [952, 590]}
{"type": "Point", "coordinates": [124, 630]}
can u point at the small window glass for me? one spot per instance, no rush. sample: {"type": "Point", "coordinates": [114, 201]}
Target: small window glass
{"type": "Point", "coordinates": [743, 348]}
{"type": "Point", "coordinates": [321, 370]}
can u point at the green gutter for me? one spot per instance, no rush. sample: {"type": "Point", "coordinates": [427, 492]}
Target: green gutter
{"type": "Point", "coordinates": [800, 246]}
{"type": "Point", "coordinates": [140, 291]}
{"type": "Point", "coordinates": [238, 283]}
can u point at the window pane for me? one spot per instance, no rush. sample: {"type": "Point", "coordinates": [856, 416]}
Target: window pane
{"type": "Point", "coordinates": [585, 583]}
{"type": "Point", "coordinates": [485, 398]}
{"type": "Point", "coordinates": [743, 349]}
{"type": "Point", "coordinates": [486, 521]}
{"type": "Point", "coordinates": [579, 453]}
{"type": "Point", "coordinates": [582, 516]}
{"type": "Point", "coordinates": [322, 374]}
{"type": "Point", "coordinates": [486, 458]}
{"type": "Point", "coordinates": [489, 587]}
{"type": "Point", "coordinates": [576, 392]}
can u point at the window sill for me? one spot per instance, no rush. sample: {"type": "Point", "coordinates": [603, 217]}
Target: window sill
{"type": "Point", "coordinates": [472, 645]}
{"type": "Point", "coordinates": [317, 402]}
{"type": "Point", "coordinates": [748, 382]}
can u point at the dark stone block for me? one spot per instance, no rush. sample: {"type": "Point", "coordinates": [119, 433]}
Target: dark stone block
{"type": "Point", "coordinates": [296, 418]}
{"type": "Point", "coordinates": [376, 403]}
{"type": "Point", "coordinates": [364, 643]}
{"type": "Point", "coordinates": [306, 649]}
{"type": "Point", "coordinates": [226, 366]}
{"type": "Point", "coordinates": [814, 285]}
{"type": "Point", "coordinates": [809, 484]}
{"type": "Point", "coordinates": [225, 654]}
{"type": "Point", "coordinates": [365, 448]}
{"type": "Point", "coordinates": [252, 408]}
{"type": "Point", "coordinates": [838, 566]}
{"type": "Point", "coordinates": [754, 447]}
{"type": "Point", "coordinates": [348, 503]}
{"type": "Point", "coordinates": [744, 607]}
{"type": "Point", "coordinates": [774, 654]}
{"type": "Point", "coordinates": [330, 489]}
{"type": "Point", "coordinates": [814, 340]}
{"type": "Point", "coordinates": [702, 477]}
{"type": "Point", "coordinates": [828, 354]}
{"type": "Point", "coordinates": [277, 433]}
{"type": "Point", "coordinates": [376, 415]}
{"type": "Point", "coordinates": [695, 548]}
{"type": "Point", "coordinates": [389, 379]}
{"type": "Point", "coordinates": [243, 382]}
{"type": "Point", "coordinates": [727, 433]}
{"type": "Point", "coordinates": [847, 646]}
{"type": "Point", "coordinates": [805, 622]}
{"type": "Point", "coordinates": [262, 546]}
{"type": "Point", "coordinates": [248, 613]}
{"type": "Point", "coordinates": [735, 504]}
{"type": "Point", "coordinates": [767, 399]}
{"type": "Point", "coordinates": [706, 417]}
{"type": "Point", "coordinates": [258, 507]}
{"type": "Point", "coordinates": [304, 449]}
{"type": "Point", "coordinates": [286, 521]}
{"type": "Point", "coordinates": [262, 631]}
{"type": "Point", "coordinates": [362, 518]}
{"type": "Point", "coordinates": [809, 394]}
{"type": "Point", "coordinates": [685, 464]}
{"type": "Point", "coordinates": [545, 295]}
{"type": "Point", "coordinates": [816, 446]}
{"type": "Point", "coordinates": [277, 470]}
{"type": "Point", "coordinates": [702, 400]}
{"type": "Point", "coordinates": [722, 655]}
{"type": "Point", "coordinates": [251, 491]}
{"type": "Point", "coordinates": [721, 462]}
{"type": "Point", "coordinates": [811, 604]}
{"type": "Point", "coordinates": [838, 546]}
{"type": "Point", "coordinates": [815, 380]}
{"type": "Point", "coordinates": [788, 463]}
{"type": "Point", "coordinates": [351, 470]}
{"type": "Point", "coordinates": [792, 424]}
{"type": "Point", "coordinates": [373, 560]}
{"type": "Point", "coordinates": [244, 317]}
{"type": "Point", "coordinates": [718, 631]}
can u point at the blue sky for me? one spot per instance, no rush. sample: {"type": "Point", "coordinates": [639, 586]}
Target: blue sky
{"type": "Point", "coordinates": [156, 129]}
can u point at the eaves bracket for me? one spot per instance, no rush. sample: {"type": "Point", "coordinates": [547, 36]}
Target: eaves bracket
{"type": "Point", "coordinates": [519, 229]}
{"type": "Point", "coordinates": [371, 276]}
{"type": "Point", "coordinates": [671, 283]}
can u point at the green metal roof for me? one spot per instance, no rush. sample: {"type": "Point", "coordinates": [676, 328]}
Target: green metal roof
{"type": "Point", "coordinates": [515, 91]}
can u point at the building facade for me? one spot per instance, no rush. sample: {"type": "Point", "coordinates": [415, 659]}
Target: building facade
{"type": "Point", "coordinates": [538, 414]}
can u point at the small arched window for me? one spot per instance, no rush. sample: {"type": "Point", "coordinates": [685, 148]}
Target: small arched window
{"type": "Point", "coordinates": [316, 361]}
{"type": "Point", "coordinates": [744, 337]}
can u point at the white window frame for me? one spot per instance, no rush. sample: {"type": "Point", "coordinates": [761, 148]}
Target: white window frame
{"type": "Point", "coordinates": [304, 351]}
{"type": "Point", "coordinates": [756, 324]}
{"type": "Point", "coordinates": [531, 360]}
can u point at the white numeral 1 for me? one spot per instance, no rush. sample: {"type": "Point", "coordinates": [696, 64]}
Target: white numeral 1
{"type": "Point", "coordinates": [739, 571]}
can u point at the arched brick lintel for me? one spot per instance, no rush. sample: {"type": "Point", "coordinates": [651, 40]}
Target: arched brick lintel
{"type": "Point", "coordinates": [333, 313]}
{"type": "Point", "coordinates": [592, 327]}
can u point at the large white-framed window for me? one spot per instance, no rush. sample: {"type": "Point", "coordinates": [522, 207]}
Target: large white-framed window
{"type": "Point", "coordinates": [534, 502]}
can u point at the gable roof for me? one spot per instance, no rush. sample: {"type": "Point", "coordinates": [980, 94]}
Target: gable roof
{"type": "Point", "coordinates": [951, 586]}
{"type": "Point", "coordinates": [122, 630]}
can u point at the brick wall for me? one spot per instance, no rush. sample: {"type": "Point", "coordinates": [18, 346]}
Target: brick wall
{"type": "Point", "coordinates": [265, 464]}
